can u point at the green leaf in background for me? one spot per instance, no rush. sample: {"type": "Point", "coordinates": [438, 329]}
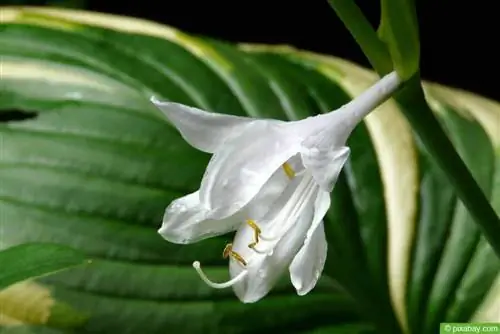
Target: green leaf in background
{"type": "Point", "coordinates": [88, 162]}
{"type": "Point", "coordinates": [25, 261]}
{"type": "Point", "coordinates": [27, 330]}
{"type": "Point", "coordinates": [23, 301]}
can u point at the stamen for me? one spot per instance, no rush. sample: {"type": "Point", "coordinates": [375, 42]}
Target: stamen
{"type": "Point", "coordinates": [257, 232]}
{"type": "Point", "coordinates": [288, 170]}
{"type": "Point", "coordinates": [228, 251]}
{"type": "Point", "coordinates": [197, 267]}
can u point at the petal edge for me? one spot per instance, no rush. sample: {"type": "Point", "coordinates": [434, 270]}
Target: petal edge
{"type": "Point", "coordinates": [204, 130]}
{"type": "Point", "coordinates": [325, 164]}
{"type": "Point", "coordinates": [185, 221]}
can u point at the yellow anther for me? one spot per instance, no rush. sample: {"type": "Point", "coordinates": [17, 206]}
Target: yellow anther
{"type": "Point", "coordinates": [228, 251]}
{"type": "Point", "coordinates": [256, 230]}
{"type": "Point", "coordinates": [288, 170]}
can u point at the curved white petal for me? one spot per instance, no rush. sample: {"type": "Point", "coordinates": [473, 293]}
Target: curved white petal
{"type": "Point", "coordinates": [203, 130]}
{"type": "Point", "coordinates": [284, 210]}
{"type": "Point", "coordinates": [325, 164]}
{"type": "Point", "coordinates": [264, 270]}
{"type": "Point", "coordinates": [237, 172]}
{"type": "Point", "coordinates": [308, 264]}
{"type": "Point", "coordinates": [266, 198]}
{"type": "Point", "coordinates": [185, 221]}
{"type": "Point", "coordinates": [321, 206]}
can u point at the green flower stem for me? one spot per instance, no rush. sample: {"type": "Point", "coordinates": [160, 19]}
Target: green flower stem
{"type": "Point", "coordinates": [399, 30]}
{"type": "Point", "coordinates": [364, 34]}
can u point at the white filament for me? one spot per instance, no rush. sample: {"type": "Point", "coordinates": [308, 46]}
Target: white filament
{"type": "Point", "coordinates": [271, 238]}
{"type": "Point", "coordinates": [197, 267]}
{"type": "Point", "coordinates": [265, 251]}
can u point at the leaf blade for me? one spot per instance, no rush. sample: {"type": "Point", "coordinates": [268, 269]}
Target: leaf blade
{"type": "Point", "coordinates": [35, 259]}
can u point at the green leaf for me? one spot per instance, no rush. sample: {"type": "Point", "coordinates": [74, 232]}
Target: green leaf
{"type": "Point", "coordinates": [27, 330]}
{"type": "Point", "coordinates": [454, 244]}
{"type": "Point", "coordinates": [88, 162]}
{"type": "Point", "coordinates": [418, 112]}
{"type": "Point", "coordinates": [32, 260]}
{"type": "Point", "coordinates": [399, 29]}
{"type": "Point", "coordinates": [477, 151]}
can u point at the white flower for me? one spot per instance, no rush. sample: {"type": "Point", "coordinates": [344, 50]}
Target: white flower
{"type": "Point", "coordinates": [271, 181]}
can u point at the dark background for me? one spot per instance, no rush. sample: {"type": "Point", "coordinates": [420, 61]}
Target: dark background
{"type": "Point", "coordinates": [459, 37]}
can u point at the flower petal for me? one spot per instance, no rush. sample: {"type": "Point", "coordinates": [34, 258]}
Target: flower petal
{"type": "Point", "coordinates": [264, 270]}
{"type": "Point", "coordinates": [185, 221]}
{"type": "Point", "coordinates": [308, 264]}
{"type": "Point", "coordinates": [325, 164]}
{"type": "Point", "coordinates": [203, 130]}
{"type": "Point", "coordinates": [321, 206]}
{"type": "Point", "coordinates": [267, 196]}
{"type": "Point", "coordinates": [237, 172]}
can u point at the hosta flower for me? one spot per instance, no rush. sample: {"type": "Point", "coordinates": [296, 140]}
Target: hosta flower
{"type": "Point", "coordinates": [270, 181]}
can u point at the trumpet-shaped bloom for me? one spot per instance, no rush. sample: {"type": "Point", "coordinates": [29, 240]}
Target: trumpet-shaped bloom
{"type": "Point", "coordinates": [270, 181]}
